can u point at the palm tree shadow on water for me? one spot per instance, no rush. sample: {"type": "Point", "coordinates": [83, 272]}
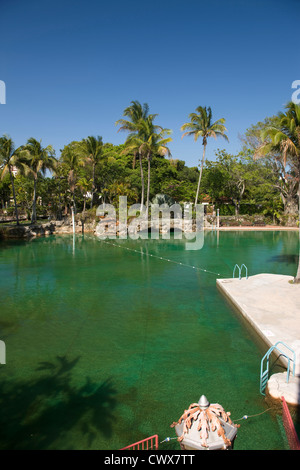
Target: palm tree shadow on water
{"type": "Point", "coordinates": [39, 412]}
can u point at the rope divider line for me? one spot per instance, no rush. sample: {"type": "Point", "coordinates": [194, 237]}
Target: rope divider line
{"type": "Point", "coordinates": [164, 259]}
{"type": "Point", "coordinates": [252, 416]}
{"type": "Point", "coordinates": [168, 439]}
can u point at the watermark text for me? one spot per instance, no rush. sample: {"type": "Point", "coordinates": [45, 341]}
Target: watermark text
{"type": "Point", "coordinates": [2, 92]}
{"type": "Point", "coordinates": [296, 94]}
{"type": "Point", "coordinates": [134, 222]}
{"type": "Point", "coordinates": [2, 352]}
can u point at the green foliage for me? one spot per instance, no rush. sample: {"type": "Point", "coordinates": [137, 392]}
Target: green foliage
{"type": "Point", "coordinates": [5, 190]}
{"type": "Point", "coordinates": [239, 182]}
{"type": "Point", "coordinates": [93, 171]}
{"type": "Point", "coordinates": [202, 125]}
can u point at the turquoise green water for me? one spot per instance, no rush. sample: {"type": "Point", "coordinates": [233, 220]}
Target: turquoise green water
{"type": "Point", "coordinates": [106, 346]}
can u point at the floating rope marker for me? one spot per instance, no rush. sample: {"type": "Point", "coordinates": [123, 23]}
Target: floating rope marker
{"type": "Point", "coordinates": [252, 416]}
{"type": "Point", "coordinates": [168, 439]}
{"type": "Point", "coordinates": [165, 259]}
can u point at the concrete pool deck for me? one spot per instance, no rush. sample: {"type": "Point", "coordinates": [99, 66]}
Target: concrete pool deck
{"type": "Point", "coordinates": [271, 304]}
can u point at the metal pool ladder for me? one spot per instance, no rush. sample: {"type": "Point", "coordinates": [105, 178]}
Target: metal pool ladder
{"type": "Point", "coordinates": [264, 373]}
{"type": "Point", "coordinates": [240, 269]}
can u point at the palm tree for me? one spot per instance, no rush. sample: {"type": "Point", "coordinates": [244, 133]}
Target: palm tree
{"type": "Point", "coordinates": [40, 159]}
{"type": "Point", "coordinates": [136, 112]}
{"type": "Point", "coordinates": [72, 160]}
{"type": "Point", "coordinates": [152, 140]}
{"type": "Point", "coordinates": [285, 138]}
{"type": "Point", "coordinates": [85, 185]}
{"type": "Point", "coordinates": [133, 144]}
{"type": "Point", "coordinates": [91, 149]}
{"type": "Point", "coordinates": [201, 125]}
{"type": "Point", "coordinates": [11, 159]}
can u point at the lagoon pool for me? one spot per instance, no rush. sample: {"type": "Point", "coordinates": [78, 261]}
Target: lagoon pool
{"type": "Point", "coordinates": [106, 345]}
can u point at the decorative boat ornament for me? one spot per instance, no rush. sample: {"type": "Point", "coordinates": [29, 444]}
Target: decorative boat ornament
{"type": "Point", "coordinates": [205, 426]}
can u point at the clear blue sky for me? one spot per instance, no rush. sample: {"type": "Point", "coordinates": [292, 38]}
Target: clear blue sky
{"type": "Point", "coordinates": [72, 66]}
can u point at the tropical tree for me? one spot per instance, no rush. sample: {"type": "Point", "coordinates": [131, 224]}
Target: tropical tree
{"type": "Point", "coordinates": [11, 160]}
{"type": "Point", "coordinates": [133, 145]}
{"type": "Point", "coordinates": [135, 113]}
{"type": "Point", "coordinates": [91, 149]}
{"type": "Point", "coordinates": [151, 140]}
{"type": "Point", "coordinates": [85, 185]}
{"type": "Point", "coordinates": [121, 188]}
{"type": "Point", "coordinates": [39, 160]}
{"type": "Point", "coordinates": [71, 160]}
{"type": "Point", "coordinates": [285, 184]}
{"type": "Point", "coordinates": [5, 190]}
{"type": "Point", "coordinates": [201, 125]}
{"type": "Point", "coordinates": [285, 137]}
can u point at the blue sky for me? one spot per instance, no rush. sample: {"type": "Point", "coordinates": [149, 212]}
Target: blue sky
{"type": "Point", "coordinates": [71, 67]}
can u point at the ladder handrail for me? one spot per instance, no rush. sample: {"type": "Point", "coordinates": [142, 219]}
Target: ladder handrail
{"type": "Point", "coordinates": [240, 271]}
{"type": "Point", "coordinates": [267, 355]}
{"type": "Point", "coordinates": [236, 266]}
{"type": "Point", "coordinates": [246, 269]}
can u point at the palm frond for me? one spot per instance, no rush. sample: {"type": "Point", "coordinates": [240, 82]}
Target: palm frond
{"type": "Point", "coordinates": [201, 125]}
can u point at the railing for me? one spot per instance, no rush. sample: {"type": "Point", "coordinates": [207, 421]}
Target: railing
{"type": "Point", "coordinates": [240, 271]}
{"type": "Point", "coordinates": [264, 374]}
{"type": "Point", "coordinates": [145, 444]}
{"type": "Point", "coordinates": [289, 427]}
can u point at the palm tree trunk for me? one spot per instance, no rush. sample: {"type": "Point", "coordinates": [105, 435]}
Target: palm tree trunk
{"type": "Point", "coordinates": [200, 176]}
{"type": "Point", "coordinates": [74, 203]}
{"type": "Point", "coordinates": [14, 195]}
{"type": "Point", "coordinates": [148, 185]}
{"type": "Point", "coordinates": [142, 181]}
{"type": "Point", "coordinates": [83, 214]}
{"type": "Point", "coordinates": [33, 215]}
{"type": "Point", "coordinates": [93, 188]}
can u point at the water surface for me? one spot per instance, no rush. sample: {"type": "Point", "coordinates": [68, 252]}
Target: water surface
{"type": "Point", "coordinates": [107, 345]}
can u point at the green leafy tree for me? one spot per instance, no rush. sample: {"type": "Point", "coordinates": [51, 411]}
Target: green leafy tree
{"type": "Point", "coordinates": [91, 149]}
{"type": "Point", "coordinates": [239, 179]}
{"type": "Point", "coordinates": [255, 140]}
{"type": "Point", "coordinates": [24, 193]}
{"type": "Point", "coordinates": [5, 190]}
{"type": "Point", "coordinates": [285, 138]}
{"type": "Point", "coordinates": [72, 161]}
{"type": "Point", "coordinates": [201, 125]}
{"type": "Point", "coordinates": [135, 113]}
{"type": "Point", "coordinates": [152, 140]}
{"type": "Point", "coordinates": [122, 188]}
{"type": "Point", "coordinates": [85, 185]}
{"type": "Point", "coordinates": [40, 159]}
{"type": "Point", "coordinates": [11, 160]}
{"type": "Point", "coordinates": [61, 192]}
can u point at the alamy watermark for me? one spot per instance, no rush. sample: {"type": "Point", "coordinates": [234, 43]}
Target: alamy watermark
{"type": "Point", "coordinates": [2, 352]}
{"type": "Point", "coordinates": [296, 94]}
{"type": "Point", "coordinates": [2, 92]}
{"type": "Point", "coordinates": [134, 222]}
